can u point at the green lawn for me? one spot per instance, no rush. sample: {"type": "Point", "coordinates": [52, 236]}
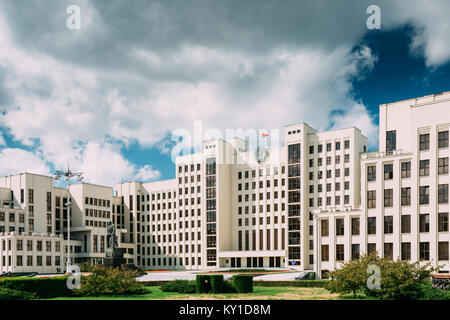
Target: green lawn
{"type": "Point", "coordinates": [260, 293]}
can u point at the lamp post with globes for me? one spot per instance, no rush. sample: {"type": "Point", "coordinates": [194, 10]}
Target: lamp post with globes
{"type": "Point", "coordinates": [67, 175]}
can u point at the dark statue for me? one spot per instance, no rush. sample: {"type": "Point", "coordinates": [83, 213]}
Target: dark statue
{"type": "Point", "coordinates": [114, 255]}
{"type": "Point", "coordinates": [111, 237]}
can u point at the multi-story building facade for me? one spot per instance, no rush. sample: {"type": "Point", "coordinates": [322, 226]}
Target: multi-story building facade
{"type": "Point", "coordinates": [309, 204]}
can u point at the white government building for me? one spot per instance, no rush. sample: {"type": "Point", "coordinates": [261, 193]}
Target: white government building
{"type": "Point", "coordinates": [323, 201]}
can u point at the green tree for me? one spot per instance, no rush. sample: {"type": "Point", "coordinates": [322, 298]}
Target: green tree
{"type": "Point", "coordinates": [397, 279]}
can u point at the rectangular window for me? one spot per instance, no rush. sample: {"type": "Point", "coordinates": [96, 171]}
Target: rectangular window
{"type": "Point", "coordinates": [424, 251]}
{"type": "Point", "coordinates": [443, 222]}
{"type": "Point", "coordinates": [406, 169]}
{"type": "Point", "coordinates": [391, 141]}
{"type": "Point", "coordinates": [388, 171]}
{"type": "Point", "coordinates": [355, 226]}
{"type": "Point", "coordinates": [355, 251]}
{"type": "Point", "coordinates": [406, 224]}
{"type": "Point", "coordinates": [443, 166]}
{"type": "Point", "coordinates": [388, 198]}
{"type": "Point", "coordinates": [443, 193]}
{"type": "Point", "coordinates": [339, 227]}
{"type": "Point", "coordinates": [371, 199]}
{"type": "Point", "coordinates": [325, 252]}
{"type": "Point", "coordinates": [406, 251]}
{"type": "Point", "coordinates": [340, 252]}
{"type": "Point", "coordinates": [388, 224]}
{"type": "Point", "coordinates": [424, 141]}
{"type": "Point", "coordinates": [389, 251]}
{"type": "Point", "coordinates": [294, 153]}
{"type": "Point", "coordinates": [324, 228]}
{"type": "Point", "coordinates": [371, 225]}
{"type": "Point", "coordinates": [424, 222]}
{"type": "Point", "coordinates": [371, 173]}
{"type": "Point", "coordinates": [424, 195]}
{"type": "Point", "coordinates": [424, 168]}
{"type": "Point", "coordinates": [443, 139]}
{"type": "Point", "coordinates": [406, 196]}
{"type": "Point", "coordinates": [443, 251]}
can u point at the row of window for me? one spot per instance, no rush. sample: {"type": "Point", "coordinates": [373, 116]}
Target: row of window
{"type": "Point", "coordinates": [7, 245]}
{"type": "Point", "coordinates": [12, 217]}
{"type": "Point", "coordinates": [337, 146]}
{"type": "Point", "coordinates": [337, 174]}
{"type": "Point", "coordinates": [337, 160]}
{"type": "Point", "coordinates": [162, 262]}
{"type": "Point", "coordinates": [186, 168]}
{"type": "Point", "coordinates": [29, 261]}
{"type": "Point", "coordinates": [424, 251]}
{"type": "Point", "coordinates": [424, 141]}
{"type": "Point", "coordinates": [261, 221]}
{"type": "Point", "coordinates": [424, 169]}
{"type": "Point", "coordinates": [424, 224]}
{"type": "Point", "coordinates": [424, 196]}
{"type": "Point", "coordinates": [245, 174]}
{"type": "Point", "coordinates": [92, 202]}
{"type": "Point", "coordinates": [244, 239]}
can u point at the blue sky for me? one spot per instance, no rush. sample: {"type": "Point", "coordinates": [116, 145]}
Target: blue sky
{"type": "Point", "coordinates": [106, 98]}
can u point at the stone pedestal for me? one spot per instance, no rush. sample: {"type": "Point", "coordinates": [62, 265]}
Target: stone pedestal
{"type": "Point", "coordinates": [114, 257]}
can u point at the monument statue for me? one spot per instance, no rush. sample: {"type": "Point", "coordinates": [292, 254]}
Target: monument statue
{"type": "Point", "coordinates": [114, 254]}
{"type": "Point", "coordinates": [111, 237]}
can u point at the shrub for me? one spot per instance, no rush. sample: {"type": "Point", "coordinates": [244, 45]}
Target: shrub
{"type": "Point", "coordinates": [428, 292]}
{"type": "Point", "coordinates": [217, 283]}
{"type": "Point", "coordinates": [228, 287]}
{"type": "Point", "coordinates": [243, 283]}
{"type": "Point", "coordinates": [110, 281]}
{"type": "Point", "coordinates": [203, 283]}
{"type": "Point", "coordinates": [181, 286]}
{"type": "Point", "coordinates": [40, 287]}
{"type": "Point", "coordinates": [398, 279]}
{"type": "Point", "coordinates": [11, 294]}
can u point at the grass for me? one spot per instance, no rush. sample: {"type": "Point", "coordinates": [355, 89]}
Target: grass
{"type": "Point", "coordinates": [260, 293]}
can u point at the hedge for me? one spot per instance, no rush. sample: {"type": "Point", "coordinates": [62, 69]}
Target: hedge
{"type": "Point", "coordinates": [243, 283]}
{"type": "Point", "coordinates": [297, 283]}
{"type": "Point", "coordinates": [41, 287]}
{"type": "Point", "coordinates": [11, 294]}
{"type": "Point", "coordinates": [203, 284]}
{"type": "Point", "coordinates": [181, 286]}
{"type": "Point", "coordinates": [217, 283]}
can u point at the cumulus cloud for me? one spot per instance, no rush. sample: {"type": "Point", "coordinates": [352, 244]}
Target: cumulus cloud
{"type": "Point", "coordinates": [15, 160]}
{"type": "Point", "coordinates": [138, 71]}
{"type": "Point", "coordinates": [102, 163]}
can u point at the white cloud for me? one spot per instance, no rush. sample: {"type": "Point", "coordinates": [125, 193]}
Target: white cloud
{"type": "Point", "coordinates": [85, 114]}
{"type": "Point", "coordinates": [430, 18]}
{"type": "Point", "coordinates": [102, 163]}
{"type": "Point", "coordinates": [2, 141]}
{"type": "Point", "coordinates": [357, 116]}
{"type": "Point", "coordinates": [14, 160]}
{"type": "Point", "coordinates": [146, 173]}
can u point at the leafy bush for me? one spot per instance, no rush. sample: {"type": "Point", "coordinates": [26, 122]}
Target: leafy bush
{"type": "Point", "coordinates": [203, 283]}
{"type": "Point", "coordinates": [217, 283]}
{"type": "Point", "coordinates": [181, 286]}
{"type": "Point", "coordinates": [398, 279]}
{"type": "Point", "coordinates": [243, 283]}
{"type": "Point", "coordinates": [110, 281]}
{"type": "Point", "coordinates": [428, 292]}
{"type": "Point", "coordinates": [40, 287]}
{"type": "Point", "coordinates": [228, 287]}
{"type": "Point", "coordinates": [11, 294]}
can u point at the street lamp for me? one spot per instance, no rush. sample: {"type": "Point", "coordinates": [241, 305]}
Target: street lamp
{"type": "Point", "coordinates": [67, 176]}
